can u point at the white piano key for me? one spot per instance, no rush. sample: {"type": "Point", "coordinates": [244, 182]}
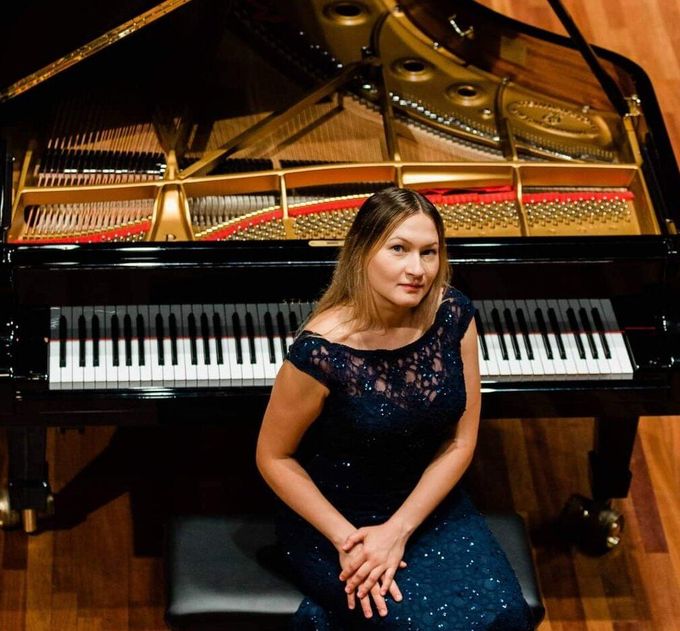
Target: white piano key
{"type": "Point", "coordinates": [89, 369]}
{"type": "Point", "coordinates": [551, 363]}
{"type": "Point", "coordinates": [54, 347]}
{"type": "Point", "coordinates": [212, 368]}
{"type": "Point", "coordinates": [570, 338]}
{"type": "Point", "coordinates": [496, 365]}
{"type": "Point", "coordinates": [201, 366]}
{"type": "Point", "coordinates": [146, 369]}
{"type": "Point", "coordinates": [167, 369]}
{"type": "Point", "coordinates": [179, 375]}
{"type": "Point", "coordinates": [514, 364]}
{"type": "Point", "coordinates": [99, 372]}
{"type": "Point", "coordinates": [190, 368]}
{"type": "Point", "coordinates": [135, 368]}
{"type": "Point", "coordinates": [615, 339]}
{"type": "Point", "coordinates": [253, 372]}
{"type": "Point", "coordinates": [155, 370]}
{"type": "Point", "coordinates": [266, 310]}
{"type": "Point", "coordinates": [563, 366]}
{"type": "Point", "coordinates": [108, 377]}
{"type": "Point", "coordinates": [73, 349]}
{"type": "Point", "coordinates": [220, 375]}
{"type": "Point", "coordinates": [122, 370]}
{"type": "Point", "coordinates": [240, 370]}
{"type": "Point", "coordinates": [598, 365]}
{"type": "Point", "coordinates": [531, 365]}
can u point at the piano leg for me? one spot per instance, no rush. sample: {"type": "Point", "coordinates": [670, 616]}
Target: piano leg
{"type": "Point", "coordinates": [29, 489]}
{"type": "Point", "coordinates": [593, 524]}
{"type": "Point", "coordinates": [610, 458]}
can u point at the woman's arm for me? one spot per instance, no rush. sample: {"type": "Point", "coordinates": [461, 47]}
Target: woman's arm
{"type": "Point", "coordinates": [385, 543]}
{"type": "Point", "coordinates": [296, 401]}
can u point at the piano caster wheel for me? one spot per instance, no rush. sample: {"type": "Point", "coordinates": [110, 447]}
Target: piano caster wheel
{"type": "Point", "coordinates": [8, 518]}
{"type": "Point", "coordinates": [593, 526]}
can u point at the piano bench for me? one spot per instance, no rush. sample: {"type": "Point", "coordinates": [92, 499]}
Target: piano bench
{"type": "Point", "coordinates": [224, 573]}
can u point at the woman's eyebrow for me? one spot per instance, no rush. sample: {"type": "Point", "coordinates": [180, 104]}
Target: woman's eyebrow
{"type": "Point", "coordinates": [400, 238]}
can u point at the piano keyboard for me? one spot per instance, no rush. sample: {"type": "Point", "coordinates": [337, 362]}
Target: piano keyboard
{"type": "Point", "coordinates": [233, 345]}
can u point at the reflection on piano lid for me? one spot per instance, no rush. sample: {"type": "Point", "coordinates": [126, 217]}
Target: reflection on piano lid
{"type": "Point", "coordinates": [209, 345]}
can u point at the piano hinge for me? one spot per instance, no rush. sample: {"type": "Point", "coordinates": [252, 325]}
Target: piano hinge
{"type": "Point", "coordinates": [634, 105]}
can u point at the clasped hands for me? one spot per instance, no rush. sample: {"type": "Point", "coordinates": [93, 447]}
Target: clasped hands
{"type": "Point", "coordinates": [370, 558]}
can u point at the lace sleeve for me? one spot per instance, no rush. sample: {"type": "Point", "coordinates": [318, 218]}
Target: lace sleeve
{"type": "Point", "coordinates": [464, 310]}
{"type": "Point", "coordinates": [310, 354]}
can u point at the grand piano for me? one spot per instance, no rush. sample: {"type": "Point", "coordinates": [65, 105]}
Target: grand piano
{"type": "Point", "coordinates": [178, 178]}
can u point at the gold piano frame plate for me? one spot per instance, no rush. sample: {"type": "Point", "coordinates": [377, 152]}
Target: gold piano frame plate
{"type": "Point", "coordinates": [172, 218]}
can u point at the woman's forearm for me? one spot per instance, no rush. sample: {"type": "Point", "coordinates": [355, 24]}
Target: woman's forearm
{"type": "Point", "coordinates": [294, 486]}
{"type": "Point", "coordinates": [442, 474]}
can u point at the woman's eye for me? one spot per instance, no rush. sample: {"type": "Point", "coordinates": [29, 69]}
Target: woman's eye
{"type": "Point", "coordinates": [397, 248]}
{"type": "Point", "coordinates": [430, 252]}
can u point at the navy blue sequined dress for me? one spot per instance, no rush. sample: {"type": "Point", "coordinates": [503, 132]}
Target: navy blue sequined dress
{"type": "Point", "coordinates": [387, 413]}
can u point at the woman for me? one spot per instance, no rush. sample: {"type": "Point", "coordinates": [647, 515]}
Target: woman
{"type": "Point", "coordinates": [372, 422]}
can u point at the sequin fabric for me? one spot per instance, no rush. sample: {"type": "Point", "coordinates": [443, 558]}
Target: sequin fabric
{"type": "Point", "coordinates": [387, 413]}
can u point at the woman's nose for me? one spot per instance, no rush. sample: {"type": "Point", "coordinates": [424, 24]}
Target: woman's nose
{"type": "Point", "coordinates": [414, 265]}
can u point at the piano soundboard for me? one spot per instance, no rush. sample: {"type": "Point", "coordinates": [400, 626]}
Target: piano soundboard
{"type": "Point", "coordinates": [228, 345]}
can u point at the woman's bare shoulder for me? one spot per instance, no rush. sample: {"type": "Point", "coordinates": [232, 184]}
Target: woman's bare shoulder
{"type": "Point", "coordinates": [332, 324]}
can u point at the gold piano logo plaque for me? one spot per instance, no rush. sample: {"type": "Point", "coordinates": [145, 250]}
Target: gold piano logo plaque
{"type": "Point", "coordinates": [554, 119]}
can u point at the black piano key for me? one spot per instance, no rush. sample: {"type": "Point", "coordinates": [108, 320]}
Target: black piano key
{"type": "Point", "coordinates": [281, 326]}
{"type": "Point", "coordinates": [205, 334]}
{"type": "Point", "coordinates": [599, 325]}
{"type": "Point", "coordinates": [294, 324]}
{"type": "Point", "coordinates": [542, 327]}
{"type": "Point", "coordinates": [115, 339]}
{"type": "Point", "coordinates": [96, 338]}
{"type": "Point", "coordinates": [160, 334]}
{"type": "Point", "coordinates": [192, 340]}
{"type": "Point", "coordinates": [555, 326]}
{"type": "Point", "coordinates": [141, 334]}
{"type": "Point", "coordinates": [495, 318]}
{"type": "Point", "coordinates": [236, 324]}
{"type": "Point", "coordinates": [217, 327]}
{"type": "Point", "coordinates": [250, 333]}
{"type": "Point", "coordinates": [588, 329]}
{"type": "Point", "coordinates": [510, 326]}
{"type": "Point", "coordinates": [269, 332]}
{"type": "Point", "coordinates": [172, 325]}
{"type": "Point", "coordinates": [63, 334]}
{"type": "Point", "coordinates": [523, 327]}
{"type": "Point", "coordinates": [481, 335]}
{"type": "Point", "coordinates": [82, 338]}
{"type": "Point", "coordinates": [576, 332]}
{"type": "Point", "coordinates": [127, 334]}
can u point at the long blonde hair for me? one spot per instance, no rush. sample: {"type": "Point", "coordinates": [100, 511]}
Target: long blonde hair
{"type": "Point", "coordinates": [376, 219]}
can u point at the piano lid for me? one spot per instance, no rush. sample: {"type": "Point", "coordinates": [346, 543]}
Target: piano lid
{"type": "Point", "coordinates": [242, 120]}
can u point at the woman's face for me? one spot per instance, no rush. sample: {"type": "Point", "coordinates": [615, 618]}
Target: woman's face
{"type": "Point", "coordinates": [401, 271]}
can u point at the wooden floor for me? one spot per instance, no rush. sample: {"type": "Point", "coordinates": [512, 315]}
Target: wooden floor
{"type": "Point", "coordinates": [102, 572]}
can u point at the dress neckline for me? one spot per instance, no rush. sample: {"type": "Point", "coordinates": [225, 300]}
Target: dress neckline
{"type": "Point", "coordinates": [448, 294]}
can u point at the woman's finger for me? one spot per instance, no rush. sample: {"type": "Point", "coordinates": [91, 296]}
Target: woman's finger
{"type": "Point", "coordinates": [379, 601]}
{"type": "Point", "coordinates": [366, 606]}
{"type": "Point", "coordinates": [356, 537]}
{"type": "Point", "coordinates": [352, 567]}
{"type": "Point", "coordinates": [402, 565]}
{"type": "Point", "coordinates": [371, 581]}
{"type": "Point", "coordinates": [351, 600]}
{"type": "Point", "coordinates": [358, 578]}
{"type": "Point", "coordinates": [386, 580]}
{"type": "Point", "coordinates": [395, 592]}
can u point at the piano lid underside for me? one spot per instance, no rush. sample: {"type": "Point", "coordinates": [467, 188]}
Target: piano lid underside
{"type": "Point", "coordinates": [112, 167]}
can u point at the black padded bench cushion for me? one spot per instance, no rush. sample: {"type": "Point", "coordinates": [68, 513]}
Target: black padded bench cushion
{"type": "Point", "coordinates": [222, 572]}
